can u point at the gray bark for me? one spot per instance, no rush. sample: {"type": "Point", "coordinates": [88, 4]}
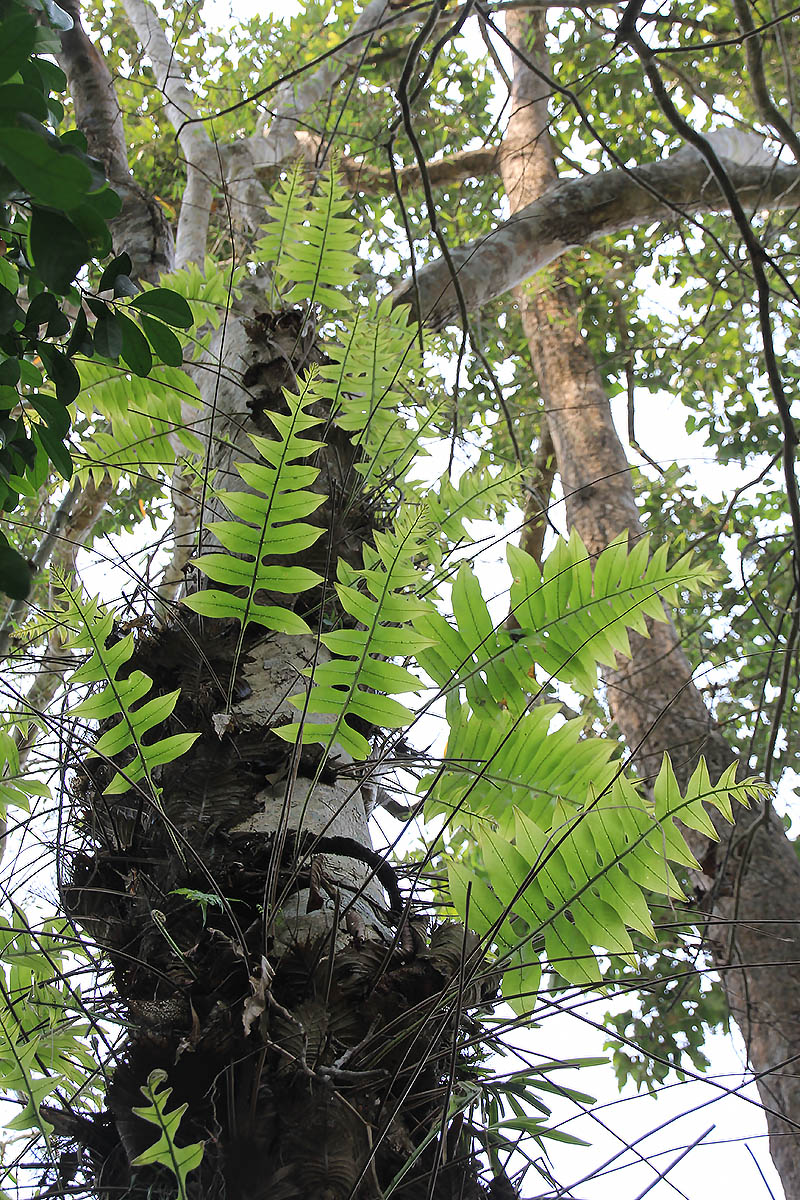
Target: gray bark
{"type": "Point", "coordinates": [141, 229]}
{"type": "Point", "coordinates": [575, 212]}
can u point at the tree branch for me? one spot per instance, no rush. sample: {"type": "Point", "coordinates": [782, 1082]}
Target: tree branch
{"type": "Point", "coordinates": [294, 99]}
{"type": "Point", "coordinates": [141, 228]}
{"type": "Point", "coordinates": [768, 110]}
{"type": "Point", "coordinates": [575, 212]}
{"type": "Point", "coordinates": [449, 171]}
{"type": "Point", "coordinates": [202, 165]}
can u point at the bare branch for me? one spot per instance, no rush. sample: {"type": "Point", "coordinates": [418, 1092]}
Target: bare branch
{"type": "Point", "coordinates": [202, 164]}
{"type": "Point", "coordinates": [575, 212]}
{"type": "Point", "coordinates": [362, 177]}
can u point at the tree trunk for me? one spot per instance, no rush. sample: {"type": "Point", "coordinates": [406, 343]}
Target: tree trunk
{"type": "Point", "coordinates": [751, 878]}
{"type": "Point", "coordinates": [261, 950]}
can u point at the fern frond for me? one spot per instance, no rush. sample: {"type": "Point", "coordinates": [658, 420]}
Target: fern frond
{"type": "Point", "coordinates": [385, 606]}
{"type": "Point", "coordinates": [180, 1160]}
{"type": "Point", "coordinates": [571, 620]}
{"type": "Point", "coordinates": [478, 496]}
{"type": "Point", "coordinates": [577, 615]}
{"type": "Point", "coordinates": [266, 525]}
{"type": "Point", "coordinates": [43, 1033]}
{"type": "Point", "coordinates": [284, 228]}
{"type": "Point", "coordinates": [311, 241]}
{"type": "Point", "coordinates": [91, 629]}
{"type": "Point", "coordinates": [570, 878]}
{"type": "Point", "coordinates": [16, 788]}
{"type": "Point", "coordinates": [145, 418]}
{"type": "Point", "coordinates": [371, 382]}
{"type": "Point", "coordinates": [562, 845]}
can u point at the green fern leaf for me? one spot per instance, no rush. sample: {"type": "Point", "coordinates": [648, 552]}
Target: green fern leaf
{"type": "Point", "coordinates": [350, 684]}
{"type": "Point", "coordinates": [287, 213]}
{"type": "Point", "coordinates": [372, 383]}
{"type": "Point", "coordinates": [318, 260]}
{"type": "Point", "coordinates": [266, 524]}
{"type": "Point", "coordinates": [180, 1160]}
{"type": "Point", "coordinates": [575, 617]}
{"type": "Point", "coordinates": [92, 630]}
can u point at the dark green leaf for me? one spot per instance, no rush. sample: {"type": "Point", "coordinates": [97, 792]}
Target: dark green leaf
{"type": "Point", "coordinates": [41, 310]}
{"type": "Point", "coordinates": [121, 265]}
{"type": "Point", "coordinates": [63, 373]}
{"type": "Point", "coordinates": [166, 305]}
{"type": "Point", "coordinates": [108, 336]}
{"type": "Point", "coordinates": [79, 340]}
{"type": "Point", "coordinates": [49, 176]}
{"type": "Point", "coordinates": [52, 77]}
{"type": "Point", "coordinates": [98, 307]}
{"type": "Point", "coordinates": [58, 325]}
{"type": "Point", "coordinates": [56, 450]}
{"type": "Point", "coordinates": [9, 373]}
{"type": "Point", "coordinates": [124, 287]}
{"type": "Point", "coordinates": [20, 97]}
{"type": "Point", "coordinates": [58, 18]}
{"type": "Point", "coordinates": [55, 415]}
{"type": "Point", "coordinates": [17, 35]}
{"type": "Point", "coordinates": [105, 202]}
{"type": "Point", "coordinates": [163, 341]}
{"type": "Point", "coordinates": [10, 311]}
{"type": "Point", "coordinates": [16, 575]}
{"type": "Point", "coordinates": [94, 227]}
{"type": "Point", "coordinates": [135, 350]}
{"type": "Point", "coordinates": [58, 249]}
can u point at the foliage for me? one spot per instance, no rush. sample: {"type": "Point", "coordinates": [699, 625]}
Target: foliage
{"type": "Point", "coordinates": [267, 523]}
{"type": "Point", "coordinates": [56, 208]}
{"type": "Point", "coordinates": [180, 1160]}
{"type": "Point", "coordinates": [121, 700]}
{"type": "Point", "coordinates": [543, 841]}
{"type": "Point", "coordinates": [354, 682]}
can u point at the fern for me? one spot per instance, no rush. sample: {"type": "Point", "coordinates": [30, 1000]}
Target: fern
{"type": "Point", "coordinates": [310, 241]}
{"type": "Point", "coordinates": [577, 882]}
{"type": "Point", "coordinates": [180, 1160]}
{"type": "Point", "coordinates": [284, 228]}
{"type": "Point", "coordinates": [576, 614]}
{"type": "Point", "coordinates": [384, 607]}
{"type": "Point", "coordinates": [570, 621]}
{"type": "Point", "coordinates": [208, 291]}
{"type": "Point", "coordinates": [561, 845]}
{"type": "Point", "coordinates": [125, 698]}
{"type": "Point", "coordinates": [371, 383]}
{"type": "Point", "coordinates": [16, 789]}
{"type": "Point", "coordinates": [477, 496]}
{"type": "Point", "coordinates": [267, 524]}
{"type": "Point", "coordinates": [143, 417]}
{"type": "Point", "coordinates": [42, 1044]}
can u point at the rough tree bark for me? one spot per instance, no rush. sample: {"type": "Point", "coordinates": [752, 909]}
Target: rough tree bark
{"type": "Point", "coordinates": [751, 879]}
{"type": "Point", "coordinates": [142, 228]}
